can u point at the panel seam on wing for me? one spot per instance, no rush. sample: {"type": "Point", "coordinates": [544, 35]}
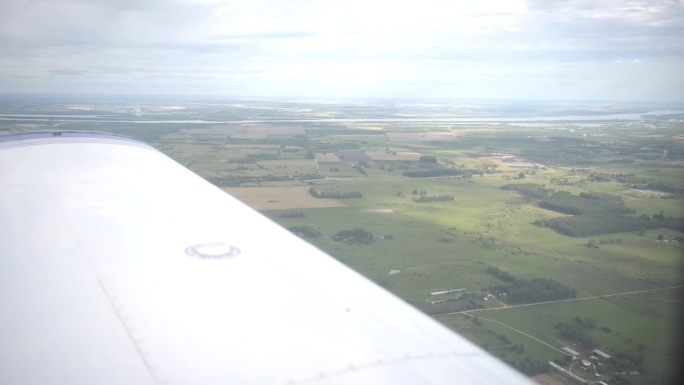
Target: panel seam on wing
{"type": "Point", "coordinates": [128, 330]}
{"type": "Point", "coordinates": [117, 311]}
{"type": "Point", "coordinates": [381, 363]}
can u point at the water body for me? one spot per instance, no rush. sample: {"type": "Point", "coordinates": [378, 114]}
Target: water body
{"type": "Point", "coordinates": [622, 117]}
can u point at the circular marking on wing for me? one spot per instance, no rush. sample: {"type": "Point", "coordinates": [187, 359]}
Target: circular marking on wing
{"type": "Point", "coordinates": [212, 250]}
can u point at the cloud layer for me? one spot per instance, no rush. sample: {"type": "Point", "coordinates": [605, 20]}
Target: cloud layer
{"type": "Point", "coordinates": [508, 49]}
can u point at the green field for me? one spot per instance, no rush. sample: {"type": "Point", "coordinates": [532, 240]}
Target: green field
{"type": "Point", "coordinates": [444, 230]}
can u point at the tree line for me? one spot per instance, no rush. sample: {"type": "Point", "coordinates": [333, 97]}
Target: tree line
{"type": "Point", "coordinates": [433, 198]}
{"type": "Point", "coordinates": [529, 190]}
{"type": "Point", "coordinates": [535, 290]}
{"type": "Point", "coordinates": [594, 213]}
{"type": "Point", "coordinates": [354, 236]}
{"type": "Point", "coordinates": [539, 290]}
{"type": "Point", "coordinates": [501, 274]}
{"type": "Point", "coordinates": [567, 203]}
{"type": "Point", "coordinates": [601, 196]}
{"type": "Point", "coordinates": [334, 194]}
{"type": "Point", "coordinates": [634, 181]}
{"type": "Point", "coordinates": [575, 331]}
{"type": "Point", "coordinates": [304, 231]}
{"type": "Point", "coordinates": [591, 225]}
{"type": "Point", "coordinates": [662, 186]}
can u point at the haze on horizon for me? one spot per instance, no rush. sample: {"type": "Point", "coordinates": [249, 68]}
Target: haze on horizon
{"type": "Point", "coordinates": [510, 49]}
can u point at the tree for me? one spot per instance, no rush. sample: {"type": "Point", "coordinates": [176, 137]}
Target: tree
{"type": "Point", "coordinates": [354, 236]}
{"type": "Point", "coordinates": [334, 194]}
{"type": "Point", "coordinates": [304, 231]}
{"type": "Point", "coordinates": [428, 159]}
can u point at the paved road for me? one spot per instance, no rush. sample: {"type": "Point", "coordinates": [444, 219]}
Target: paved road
{"type": "Point", "coordinates": [467, 312]}
{"type": "Point", "coordinates": [560, 300]}
{"type": "Point", "coordinates": [523, 333]}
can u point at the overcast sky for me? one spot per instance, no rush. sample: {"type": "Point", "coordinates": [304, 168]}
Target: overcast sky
{"type": "Point", "coordinates": [479, 49]}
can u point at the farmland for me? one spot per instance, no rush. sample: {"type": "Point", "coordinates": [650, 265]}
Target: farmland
{"type": "Point", "coordinates": [390, 178]}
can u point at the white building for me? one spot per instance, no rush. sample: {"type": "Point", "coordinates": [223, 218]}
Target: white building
{"type": "Point", "coordinates": [600, 353]}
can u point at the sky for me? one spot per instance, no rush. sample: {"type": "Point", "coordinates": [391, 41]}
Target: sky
{"type": "Point", "coordinates": [607, 50]}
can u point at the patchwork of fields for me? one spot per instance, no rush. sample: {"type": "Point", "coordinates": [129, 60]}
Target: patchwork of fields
{"type": "Point", "coordinates": [433, 245]}
{"type": "Point", "coordinates": [431, 195]}
{"type": "Point", "coordinates": [437, 245]}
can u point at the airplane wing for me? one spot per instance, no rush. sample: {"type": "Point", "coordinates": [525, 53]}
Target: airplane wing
{"type": "Point", "coordinates": [120, 266]}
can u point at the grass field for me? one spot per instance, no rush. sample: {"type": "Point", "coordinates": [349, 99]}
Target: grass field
{"type": "Point", "coordinates": [280, 197]}
{"type": "Point", "coordinates": [629, 323]}
{"type": "Point", "coordinates": [444, 245]}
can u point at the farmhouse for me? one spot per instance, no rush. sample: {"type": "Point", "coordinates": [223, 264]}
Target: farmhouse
{"type": "Point", "coordinates": [602, 354]}
{"type": "Point", "coordinates": [568, 373]}
{"type": "Point", "coordinates": [631, 373]}
{"type": "Point", "coordinates": [574, 353]}
{"type": "Point", "coordinates": [447, 291]}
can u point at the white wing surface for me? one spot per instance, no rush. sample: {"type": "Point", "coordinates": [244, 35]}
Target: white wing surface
{"type": "Point", "coordinates": [120, 266]}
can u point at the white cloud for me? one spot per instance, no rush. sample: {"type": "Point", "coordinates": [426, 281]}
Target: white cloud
{"type": "Point", "coordinates": [488, 49]}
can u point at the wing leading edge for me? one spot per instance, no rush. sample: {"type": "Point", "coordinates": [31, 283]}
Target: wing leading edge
{"type": "Point", "coordinates": [121, 266]}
